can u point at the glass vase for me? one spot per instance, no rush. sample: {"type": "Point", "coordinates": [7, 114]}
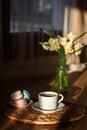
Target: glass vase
{"type": "Point", "coordinates": [61, 82]}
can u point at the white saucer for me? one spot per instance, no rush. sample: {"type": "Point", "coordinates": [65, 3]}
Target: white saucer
{"type": "Point", "coordinates": [36, 107]}
{"type": "Point", "coordinates": [22, 106]}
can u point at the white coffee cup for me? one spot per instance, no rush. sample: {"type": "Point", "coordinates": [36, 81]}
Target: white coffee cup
{"type": "Point", "coordinates": [49, 100]}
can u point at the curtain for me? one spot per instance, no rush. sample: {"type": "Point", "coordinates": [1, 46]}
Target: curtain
{"type": "Point", "coordinates": [75, 20]}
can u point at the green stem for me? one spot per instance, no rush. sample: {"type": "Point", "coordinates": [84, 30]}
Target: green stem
{"type": "Point", "coordinates": [79, 36]}
{"type": "Point", "coordinates": [61, 77]}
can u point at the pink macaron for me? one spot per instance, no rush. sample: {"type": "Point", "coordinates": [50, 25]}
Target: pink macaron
{"type": "Point", "coordinates": [21, 102]}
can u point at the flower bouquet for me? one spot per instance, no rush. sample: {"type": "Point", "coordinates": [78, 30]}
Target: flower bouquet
{"type": "Point", "coordinates": [64, 46]}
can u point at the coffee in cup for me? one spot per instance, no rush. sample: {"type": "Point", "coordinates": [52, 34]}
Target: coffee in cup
{"type": "Point", "coordinates": [49, 100]}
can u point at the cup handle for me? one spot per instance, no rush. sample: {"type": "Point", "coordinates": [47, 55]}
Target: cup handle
{"type": "Point", "coordinates": [61, 99]}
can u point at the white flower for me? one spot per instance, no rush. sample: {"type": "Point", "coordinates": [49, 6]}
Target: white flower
{"type": "Point", "coordinates": [63, 41]}
{"type": "Point", "coordinates": [51, 41]}
{"type": "Point", "coordinates": [68, 48]}
{"type": "Point", "coordinates": [54, 44]}
{"type": "Point", "coordinates": [46, 46]}
{"type": "Point", "coordinates": [71, 36]}
{"type": "Point", "coordinates": [69, 44]}
{"type": "Point", "coordinates": [78, 48]}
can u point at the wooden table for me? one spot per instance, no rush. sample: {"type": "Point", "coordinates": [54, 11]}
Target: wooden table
{"type": "Point", "coordinates": [77, 93]}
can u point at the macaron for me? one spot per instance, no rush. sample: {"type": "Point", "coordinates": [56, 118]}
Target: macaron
{"type": "Point", "coordinates": [16, 95]}
{"type": "Point", "coordinates": [26, 94]}
{"type": "Point", "coordinates": [21, 102]}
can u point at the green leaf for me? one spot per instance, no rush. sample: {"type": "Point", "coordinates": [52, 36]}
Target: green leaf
{"type": "Point", "coordinates": [49, 33]}
{"type": "Point", "coordinates": [79, 36]}
{"type": "Point", "coordinates": [43, 43]}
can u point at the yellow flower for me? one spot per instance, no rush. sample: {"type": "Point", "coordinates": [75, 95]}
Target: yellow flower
{"type": "Point", "coordinates": [52, 48]}
{"type": "Point", "coordinates": [51, 41]}
{"type": "Point", "coordinates": [68, 43]}
{"type": "Point", "coordinates": [68, 48]}
{"type": "Point", "coordinates": [54, 44]}
{"type": "Point", "coordinates": [57, 43]}
{"type": "Point", "coordinates": [63, 41]}
{"type": "Point", "coordinates": [71, 36]}
{"type": "Point", "coordinates": [78, 48]}
{"type": "Point", "coordinates": [45, 46]}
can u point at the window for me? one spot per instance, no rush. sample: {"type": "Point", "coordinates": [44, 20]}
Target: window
{"type": "Point", "coordinates": [28, 15]}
